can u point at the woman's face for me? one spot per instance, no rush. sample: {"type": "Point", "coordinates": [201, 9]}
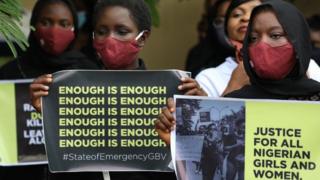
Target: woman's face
{"type": "Point", "coordinates": [266, 28]}
{"type": "Point", "coordinates": [239, 19]}
{"type": "Point", "coordinates": [55, 15]}
{"type": "Point", "coordinates": [116, 22]}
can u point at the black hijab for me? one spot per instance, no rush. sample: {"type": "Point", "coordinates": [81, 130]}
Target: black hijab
{"type": "Point", "coordinates": [296, 84]}
{"type": "Point", "coordinates": [35, 61]}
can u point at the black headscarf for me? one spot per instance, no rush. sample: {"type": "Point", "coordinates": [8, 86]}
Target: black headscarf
{"type": "Point", "coordinates": [296, 84]}
{"type": "Point", "coordinates": [35, 61]}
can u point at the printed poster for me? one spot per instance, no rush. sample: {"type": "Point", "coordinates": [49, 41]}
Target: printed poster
{"type": "Point", "coordinates": [246, 139]}
{"type": "Point", "coordinates": [104, 120]}
{"type": "Point", "coordinates": [21, 130]}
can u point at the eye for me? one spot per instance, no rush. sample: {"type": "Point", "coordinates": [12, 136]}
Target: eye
{"type": "Point", "coordinates": [253, 38]}
{"type": "Point", "coordinates": [218, 21]}
{"type": "Point", "coordinates": [101, 31]}
{"type": "Point", "coordinates": [65, 24]}
{"type": "Point", "coordinates": [276, 36]}
{"type": "Point", "coordinates": [237, 14]}
{"type": "Point", "coordinates": [122, 31]}
{"type": "Point", "coordinates": [45, 22]}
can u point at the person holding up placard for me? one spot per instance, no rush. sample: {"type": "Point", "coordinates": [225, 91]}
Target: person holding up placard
{"type": "Point", "coordinates": [50, 49]}
{"type": "Point", "coordinates": [276, 56]}
{"type": "Point", "coordinates": [121, 28]}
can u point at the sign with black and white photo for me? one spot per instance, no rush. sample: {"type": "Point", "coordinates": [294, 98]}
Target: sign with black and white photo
{"type": "Point", "coordinates": [104, 120]}
{"type": "Point", "coordinates": [246, 139]}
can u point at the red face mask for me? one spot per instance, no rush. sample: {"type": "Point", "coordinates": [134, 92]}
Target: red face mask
{"type": "Point", "coordinates": [54, 40]}
{"type": "Point", "coordinates": [273, 63]}
{"type": "Point", "coordinates": [116, 54]}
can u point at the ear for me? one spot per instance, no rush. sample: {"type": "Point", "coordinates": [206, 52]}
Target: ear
{"type": "Point", "coordinates": [143, 38]}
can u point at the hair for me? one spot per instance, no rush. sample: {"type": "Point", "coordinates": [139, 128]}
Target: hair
{"type": "Point", "coordinates": [42, 3]}
{"type": "Point", "coordinates": [39, 7]}
{"type": "Point", "coordinates": [314, 22]}
{"type": "Point", "coordinates": [138, 9]}
{"type": "Point", "coordinates": [205, 24]}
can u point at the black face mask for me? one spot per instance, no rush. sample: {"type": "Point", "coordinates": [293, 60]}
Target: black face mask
{"type": "Point", "coordinates": [220, 34]}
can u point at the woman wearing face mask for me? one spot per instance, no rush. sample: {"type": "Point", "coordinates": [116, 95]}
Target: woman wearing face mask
{"type": "Point", "coordinates": [230, 74]}
{"type": "Point", "coordinates": [276, 55]}
{"type": "Point", "coordinates": [50, 50]}
{"type": "Point", "coordinates": [50, 47]}
{"type": "Point", "coordinates": [121, 28]}
{"type": "Point", "coordinates": [211, 49]}
{"type": "Point", "coordinates": [227, 77]}
{"type": "Point", "coordinates": [214, 82]}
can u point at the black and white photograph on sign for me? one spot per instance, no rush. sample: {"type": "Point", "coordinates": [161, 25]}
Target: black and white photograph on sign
{"type": "Point", "coordinates": [210, 138]}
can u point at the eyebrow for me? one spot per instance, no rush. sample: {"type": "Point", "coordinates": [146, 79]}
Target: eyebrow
{"type": "Point", "coordinates": [275, 28]}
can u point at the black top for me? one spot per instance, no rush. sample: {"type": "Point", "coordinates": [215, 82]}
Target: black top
{"type": "Point", "coordinates": [296, 84]}
{"type": "Point", "coordinates": [316, 54]}
{"type": "Point", "coordinates": [207, 53]}
{"type": "Point", "coordinates": [39, 63]}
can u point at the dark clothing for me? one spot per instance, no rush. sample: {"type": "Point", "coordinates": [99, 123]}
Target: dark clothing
{"type": "Point", "coordinates": [206, 54]}
{"type": "Point", "coordinates": [31, 67]}
{"type": "Point", "coordinates": [213, 49]}
{"type": "Point", "coordinates": [316, 55]}
{"type": "Point", "coordinates": [296, 84]}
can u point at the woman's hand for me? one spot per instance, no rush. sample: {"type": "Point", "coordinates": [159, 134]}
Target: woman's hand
{"type": "Point", "coordinates": [38, 88]}
{"type": "Point", "coordinates": [191, 87]}
{"type": "Point", "coordinates": [166, 122]}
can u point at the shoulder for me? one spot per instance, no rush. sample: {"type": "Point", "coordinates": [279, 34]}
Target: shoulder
{"type": "Point", "coordinates": [10, 70]}
{"type": "Point", "coordinates": [252, 92]}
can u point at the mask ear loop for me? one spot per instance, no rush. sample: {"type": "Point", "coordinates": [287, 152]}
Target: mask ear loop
{"type": "Point", "coordinates": [92, 35]}
{"type": "Point", "coordinates": [139, 35]}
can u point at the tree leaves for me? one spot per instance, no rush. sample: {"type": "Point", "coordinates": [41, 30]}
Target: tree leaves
{"type": "Point", "coordinates": [154, 12]}
{"type": "Point", "coordinates": [10, 31]}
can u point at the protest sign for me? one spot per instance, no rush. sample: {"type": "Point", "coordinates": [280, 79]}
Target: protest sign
{"type": "Point", "coordinates": [21, 131]}
{"type": "Point", "coordinates": [246, 139]}
{"type": "Point", "coordinates": [104, 120]}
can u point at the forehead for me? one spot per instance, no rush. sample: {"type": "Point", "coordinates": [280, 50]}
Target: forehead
{"type": "Point", "coordinates": [265, 20]}
{"type": "Point", "coordinates": [248, 5]}
{"type": "Point", "coordinates": [57, 10]}
{"type": "Point", "coordinates": [115, 15]}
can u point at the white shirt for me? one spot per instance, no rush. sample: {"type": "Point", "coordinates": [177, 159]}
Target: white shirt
{"type": "Point", "coordinates": [215, 80]}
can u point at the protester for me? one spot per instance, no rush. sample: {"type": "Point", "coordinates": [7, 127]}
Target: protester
{"type": "Point", "coordinates": [50, 44]}
{"type": "Point", "coordinates": [121, 28]}
{"type": "Point", "coordinates": [50, 50]}
{"type": "Point", "coordinates": [277, 52]}
{"type": "Point", "coordinates": [212, 47]}
{"type": "Point", "coordinates": [271, 80]}
{"type": "Point", "coordinates": [314, 24]}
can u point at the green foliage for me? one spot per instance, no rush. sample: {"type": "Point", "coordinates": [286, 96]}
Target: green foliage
{"type": "Point", "coordinates": [154, 12]}
{"type": "Point", "coordinates": [10, 17]}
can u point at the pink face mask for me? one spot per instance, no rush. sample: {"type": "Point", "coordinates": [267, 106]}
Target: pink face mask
{"type": "Point", "coordinates": [273, 63]}
{"type": "Point", "coordinates": [54, 40]}
{"type": "Point", "coordinates": [116, 54]}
